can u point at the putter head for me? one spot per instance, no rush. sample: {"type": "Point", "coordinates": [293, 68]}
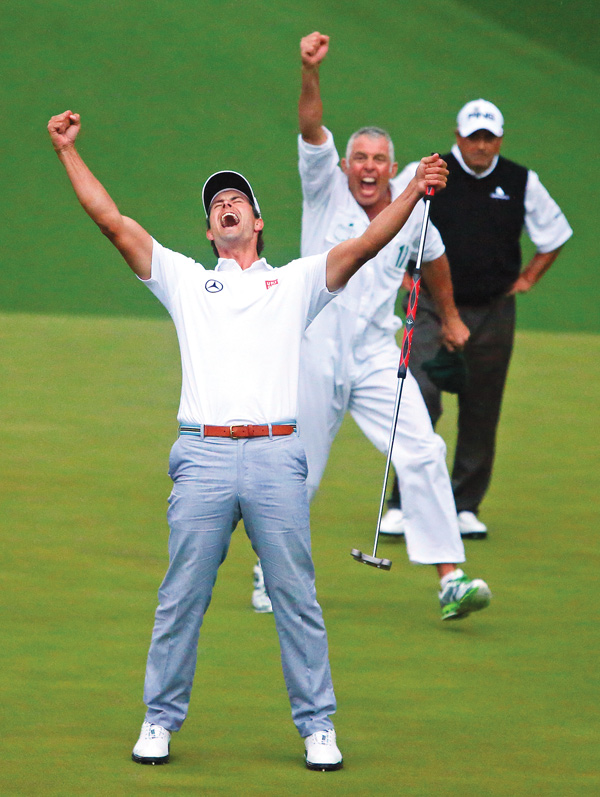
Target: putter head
{"type": "Point", "coordinates": [382, 564]}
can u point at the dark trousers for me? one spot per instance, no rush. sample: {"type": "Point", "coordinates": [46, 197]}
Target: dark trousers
{"type": "Point", "coordinates": [488, 355]}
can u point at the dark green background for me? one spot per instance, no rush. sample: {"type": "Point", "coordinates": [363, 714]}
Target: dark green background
{"type": "Point", "coordinates": [171, 91]}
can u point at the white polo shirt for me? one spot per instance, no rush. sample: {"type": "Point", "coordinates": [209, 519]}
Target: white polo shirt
{"type": "Point", "coordinates": [331, 214]}
{"type": "Point", "coordinates": [239, 333]}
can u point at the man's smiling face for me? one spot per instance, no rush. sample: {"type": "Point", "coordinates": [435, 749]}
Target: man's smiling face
{"type": "Point", "coordinates": [369, 170]}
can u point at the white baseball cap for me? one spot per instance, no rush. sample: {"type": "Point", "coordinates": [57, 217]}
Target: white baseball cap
{"type": "Point", "coordinates": [223, 181]}
{"type": "Point", "coordinates": [479, 115]}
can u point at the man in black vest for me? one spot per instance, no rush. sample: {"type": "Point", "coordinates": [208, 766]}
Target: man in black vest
{"type": "Point", "coordinates": [480, 217]}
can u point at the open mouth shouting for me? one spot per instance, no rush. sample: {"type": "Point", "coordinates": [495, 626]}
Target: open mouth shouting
{"type": "Point", "coordinates": [229, 219]}
{"type": "Point", "coordinates": [368, 182]}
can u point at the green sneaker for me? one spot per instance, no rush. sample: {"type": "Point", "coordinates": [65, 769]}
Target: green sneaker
{"type": "Point", "coordinates": [461, 596]}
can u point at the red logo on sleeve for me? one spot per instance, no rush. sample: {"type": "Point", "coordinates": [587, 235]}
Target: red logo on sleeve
{"type": "Point", "coordinates": [271, 283]}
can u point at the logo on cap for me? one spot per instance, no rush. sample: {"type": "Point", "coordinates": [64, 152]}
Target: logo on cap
{"type": "Point", "coordinates": [478, 115]}
{"type": "Point", "coordinates": [213, 286]}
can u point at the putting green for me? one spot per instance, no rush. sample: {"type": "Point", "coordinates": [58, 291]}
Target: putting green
{"type": "Point", "coordinates": [502, 703]}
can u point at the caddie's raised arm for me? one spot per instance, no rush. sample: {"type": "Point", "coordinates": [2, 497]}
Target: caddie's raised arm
{"type": "Point", "coordinates": [346, 258]}
{"type": "Point", "coordinates": [313, 49]}
{"type": "Point", "coordinates": [132, 241]}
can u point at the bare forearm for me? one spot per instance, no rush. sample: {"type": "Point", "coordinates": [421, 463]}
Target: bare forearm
{"type": "Point", "coordinates": [534, 271]}
{"type": "Point", "coordinates": [436, 276]}
{"type": "Point", "coordinates": [132, 241]}
{"type": "Point", "coordinates": [310, 107]}
{"type": "Point", "coordinates": [539, 265]}
{"type": "Point", "coordinates": [346, 258]}
{"type": "Point", "coordinates": [390, 221]}
{"type": "Point", "coordinates": [90, 192]}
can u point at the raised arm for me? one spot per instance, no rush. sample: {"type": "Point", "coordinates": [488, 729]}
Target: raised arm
{"type": "Point", "coordinates": [132, 241]}
{"type": "Point", "coordinates": [313, 49]}
{"type": "Point", "coordinates": [346, 258]}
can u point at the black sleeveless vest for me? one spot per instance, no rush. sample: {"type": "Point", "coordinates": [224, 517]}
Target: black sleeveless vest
{"type": "Point", "coordinates": [480, 222]}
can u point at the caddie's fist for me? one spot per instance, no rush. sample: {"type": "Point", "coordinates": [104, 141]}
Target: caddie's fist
{"type": "Point", "coordinates": [63, 129]}
{"type": "Point", "coordinates": [313, 49]}
{"type": "Point", "coordinates": [431, 173]}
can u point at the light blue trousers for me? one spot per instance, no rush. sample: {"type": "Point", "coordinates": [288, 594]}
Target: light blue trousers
{"type": "Point", "coordinates": [217, 481]}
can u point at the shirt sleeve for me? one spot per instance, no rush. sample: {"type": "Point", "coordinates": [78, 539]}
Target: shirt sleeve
{"type": "Point", "coordinates": [312, 273]}
{"type": "Point", "coordinates": [545, 222]}
{"type": "Point", "coordinates": [317, 164]}
{"type": "Point", "coordinates": [166, 271]}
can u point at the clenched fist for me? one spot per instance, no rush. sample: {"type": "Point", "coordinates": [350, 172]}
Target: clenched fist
{"type": "Point", "coordinates": [63, 129]}
{"type": "Point", "coordinates": [313, 49]}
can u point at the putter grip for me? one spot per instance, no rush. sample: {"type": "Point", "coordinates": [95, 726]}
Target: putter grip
{"type": "Point", "coordinates": [413, 300]}
{"type": "Point", "coordinates": [409, 325]}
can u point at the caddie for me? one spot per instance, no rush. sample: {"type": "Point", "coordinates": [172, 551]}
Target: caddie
{"type": "Point", "coordinates": [350, 356]}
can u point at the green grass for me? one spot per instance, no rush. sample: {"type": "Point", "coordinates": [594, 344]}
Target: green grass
{"type": "Point", "coordinates": [170, 91]}
{"type": "Point", "coordinates": [503, 703]}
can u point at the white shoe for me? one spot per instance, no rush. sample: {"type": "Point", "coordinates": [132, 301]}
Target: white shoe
{"type": "Point", "coordinates": [470, 526]}
{"type": "Point", "coordinates": [153, 745]}
{"type": "Point", "coordinates": [261, 602]}
{"type": "Point", "coordinates": [322, 752]}
{"type": "Point", "coordinates": [392, 523]}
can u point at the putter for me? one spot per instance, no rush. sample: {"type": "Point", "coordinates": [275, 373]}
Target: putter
{"type": "Point", "coordinates": [374, 560]}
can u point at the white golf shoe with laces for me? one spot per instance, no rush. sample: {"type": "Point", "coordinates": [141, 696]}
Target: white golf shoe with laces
{"type": "Point", "coordinates": [153, 745]}
{"type": "Point", "coordinates": [322, 752]}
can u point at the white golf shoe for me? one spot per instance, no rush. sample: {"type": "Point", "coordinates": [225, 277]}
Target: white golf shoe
{"type": "Point", "coordinates": [392, 523]}
{"type": "Point", "coordinates": [261, 602]}
{"type": "Point", "coordinates": [471, 527]}
{"type": "Point", "coordinates": [153, 745]}
{"type": "Point", "coordinates": [322, 753]}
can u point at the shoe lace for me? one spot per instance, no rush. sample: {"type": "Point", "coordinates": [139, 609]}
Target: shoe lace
{"type": "Point", "coordinates": [154, 731]}
{"type": "Point", "coordinates": [325, 737]}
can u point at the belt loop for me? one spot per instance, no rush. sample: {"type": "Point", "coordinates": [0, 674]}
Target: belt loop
{"type": "Point", "coordinates": [201, 431]}
{"type": "Point", "coordinates": [270, 425]}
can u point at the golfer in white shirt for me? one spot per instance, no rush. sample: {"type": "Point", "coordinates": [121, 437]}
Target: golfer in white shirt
{"type": "Point", "coordinates": [239, 329]}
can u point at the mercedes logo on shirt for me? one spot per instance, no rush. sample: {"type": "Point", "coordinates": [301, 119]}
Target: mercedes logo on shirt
{"type": "Point", "coordinates": [212, 286]}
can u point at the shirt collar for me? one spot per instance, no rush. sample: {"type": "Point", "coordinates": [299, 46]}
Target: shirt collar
{"type": "Point", "coordinates": [478, 176]}
{"type": "Point", "coordinates": [227, 264]}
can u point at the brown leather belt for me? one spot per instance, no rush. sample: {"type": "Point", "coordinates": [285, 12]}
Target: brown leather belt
{"type": "Point", "coordinates": [237, 431]}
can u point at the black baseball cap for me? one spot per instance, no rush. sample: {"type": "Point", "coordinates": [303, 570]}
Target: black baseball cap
{"type": "Point", "coordinates": [223, 181]}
